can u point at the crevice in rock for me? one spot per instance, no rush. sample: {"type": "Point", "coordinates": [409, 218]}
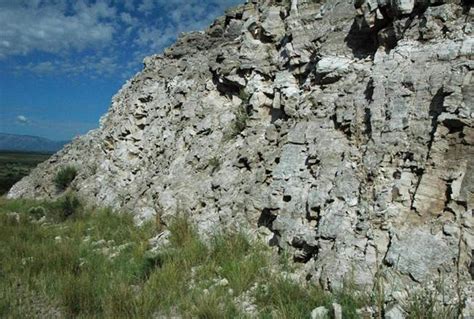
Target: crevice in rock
{"type": "Point", "coordinates": [287, 39]}
{"type": "Point", "coordinates": [369, 91]}
{"type": "Point", "coordinates": [436, 108]}
{"type": "Point", "coordinates": [256, 31]}
{"type": "Point", "coordinates": [390, 242]}
{"type": "Point", "coordinates": [265, 38]}
{"type": "Point", "coordinates": [361, 40]}
{"type": "Point", "coordinates": [368, 122]}
{"type": "Point", "coordinates": [467, 5]}
{"type": "Point", "coordinates": [266, 219]}
{"type": "Point", "coordinates": [345, 128]}
{"type": "Point", "coordinates": [418, 171]}
{"type": "Point", "coordinates": [225, 87]}
{"type": "Point", "coordinates": [387, 38]}
{"type": "Point", "coordinates": [146, 99]}
{"type": "Point", "coordinates": [448, 193]}
{"type": "Point", "coordinates": [277, 114]}
{"type": "Point", "coordinates": [302, 77]}
{"type": "Point", "coordinates": [243, 162]}
{"type": "Point", "coordinates": [305, 253]}
{"type": "Point", "coordinates": [471, 265]}
{"type": "Point", "coordinates": [312, 217]}
{"type": "Point", "coordinates": [454, 125]}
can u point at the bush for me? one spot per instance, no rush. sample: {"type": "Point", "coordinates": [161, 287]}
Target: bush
{"type": "Point", "coordinates": [69, 205]}
{"type": "Point", "coordinates": [238, 125]}
{"type": "Point", "coordinates": [37, 212]}
{"type": "Point", "coordinates": [64, 177]}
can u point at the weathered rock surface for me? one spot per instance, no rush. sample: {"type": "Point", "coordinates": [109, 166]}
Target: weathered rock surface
{"type": "Point", "coordinates": [345, 129]}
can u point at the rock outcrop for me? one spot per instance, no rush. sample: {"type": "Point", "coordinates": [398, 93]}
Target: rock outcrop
{"type": "Point", "coordinates": [343, 132]}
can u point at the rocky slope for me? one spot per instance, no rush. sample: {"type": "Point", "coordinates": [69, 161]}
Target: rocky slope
{"type": "Point", "coordinates": [342, 132]}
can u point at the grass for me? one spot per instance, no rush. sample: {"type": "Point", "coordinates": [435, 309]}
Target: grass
{"type": "Point", "coordinates": [16, 165]}
{"type": "Point", "coordinates": [238, 125]}
{"type": "Point", "coordinates": [424, 303]}
{"type": "Point", "coordinates": [64, 177]}
{"type": "Point", "coordinates": [98, 264]}
{"type": "Point", "coordinates": [63, 264]}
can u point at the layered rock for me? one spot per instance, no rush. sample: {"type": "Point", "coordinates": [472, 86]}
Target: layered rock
{"type": "Point", "coordinates": [344, 130]}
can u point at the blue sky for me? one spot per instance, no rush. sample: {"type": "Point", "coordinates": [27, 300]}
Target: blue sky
{"type": "Point", "coordinates": [61, 61]}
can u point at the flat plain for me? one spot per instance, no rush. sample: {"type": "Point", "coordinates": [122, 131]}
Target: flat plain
{"type": "Point", "coordinates": [16, 165]}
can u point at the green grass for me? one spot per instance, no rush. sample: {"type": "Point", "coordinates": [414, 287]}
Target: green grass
{"type": "Point", "coordinates": [238, 125]}
{"type": "Point", "coordinates": [424, 303]}
{"type": "Point", "coordinates": [64, 177]}
{"type": "Point", "coordinates": [97, 264]}
{"type": "Point", "coordinates": [56, 262]}
{"type": "Point", "coordinates": [15, 165]}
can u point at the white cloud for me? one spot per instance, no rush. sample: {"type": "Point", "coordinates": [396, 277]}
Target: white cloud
{"type": "Point", "coordinates": [94, 66]}
{"type": "Point", "coordinates": [181, 16]}
{"type": "Point", "coordinates": [42, 67]}
{"type": "Point", "coordinates": [146, 6]}
{"type": "Point", "coordinates": [22, 119]}
{"type": "Point", "coordinates": [128, 4]}
{"type": "Point", "coordinates": [155, 39]}
{"type": "Point", "coordinates": [112, 36]}
{"type": "Point", "coordinates": [52, 26]}
{"type": "Point", "coordinates": [128, 19]}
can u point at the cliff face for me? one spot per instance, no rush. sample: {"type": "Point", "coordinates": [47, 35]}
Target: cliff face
{"type": "Point", "coordinates": [343, 133]}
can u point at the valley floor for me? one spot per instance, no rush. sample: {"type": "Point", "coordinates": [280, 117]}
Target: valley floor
{"type": "Point", "coordinates": [15, 165]}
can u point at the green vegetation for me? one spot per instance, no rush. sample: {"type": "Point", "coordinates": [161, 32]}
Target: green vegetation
{"type": "Point", "coordinates": [16, 165]}
{"type": "Point", "coordinates": [238, 124]}
{"type": "Point", "coordinates": [214, 164]}
{"type": "Point", "coordinates": [76, 263]}
{"type": "Point", "coordinates": [424, 303]}
{"type": "Point", "coordinates": [97, 264]}
{"type": "Point", "coordinates": [64, 177]}
{"type": "Point", "coordinates": [60, 259]}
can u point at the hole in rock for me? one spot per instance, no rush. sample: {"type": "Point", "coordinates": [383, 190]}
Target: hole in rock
{"type": "Point", "coordinates": [397, 175]}
{"type": "Point", "coordinates": [266, 218]}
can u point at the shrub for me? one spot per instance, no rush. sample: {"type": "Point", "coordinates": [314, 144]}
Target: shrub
{"type": "Point", "coordinates": [244, 96]}
{"type": "Point", "coordinates": [240, 121]}
{"type": "Point", "coordinates": [64, 177]}
{"type": "Point", "coordinates": [37, 212]}
{"type": "Point", "coordinates": [80, 296]}
{"type": "Point", "coordinates": [69, 205]}
{"type": "Point", "coordinates": [238, 125]}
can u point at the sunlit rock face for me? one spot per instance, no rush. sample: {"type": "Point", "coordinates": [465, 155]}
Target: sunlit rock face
{"type": "Point", "coordinates": [343, 131]}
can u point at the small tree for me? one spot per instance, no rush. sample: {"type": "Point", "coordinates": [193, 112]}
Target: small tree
{"type": "Point", "coordinates": [64, 177]}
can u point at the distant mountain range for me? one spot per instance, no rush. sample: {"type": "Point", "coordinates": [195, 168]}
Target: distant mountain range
{"type": "Point", "coordinates": [28, 143]}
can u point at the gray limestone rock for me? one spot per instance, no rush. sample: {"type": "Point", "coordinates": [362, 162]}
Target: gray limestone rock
{"type": "Point", "coordinates": [417, 251]}
{"type": "Point", "coordinates": [395, 312]}
{"type": "Point", "coordinates": [320, 313]}
{"type": "Point", "coordinates": [345, 129]}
